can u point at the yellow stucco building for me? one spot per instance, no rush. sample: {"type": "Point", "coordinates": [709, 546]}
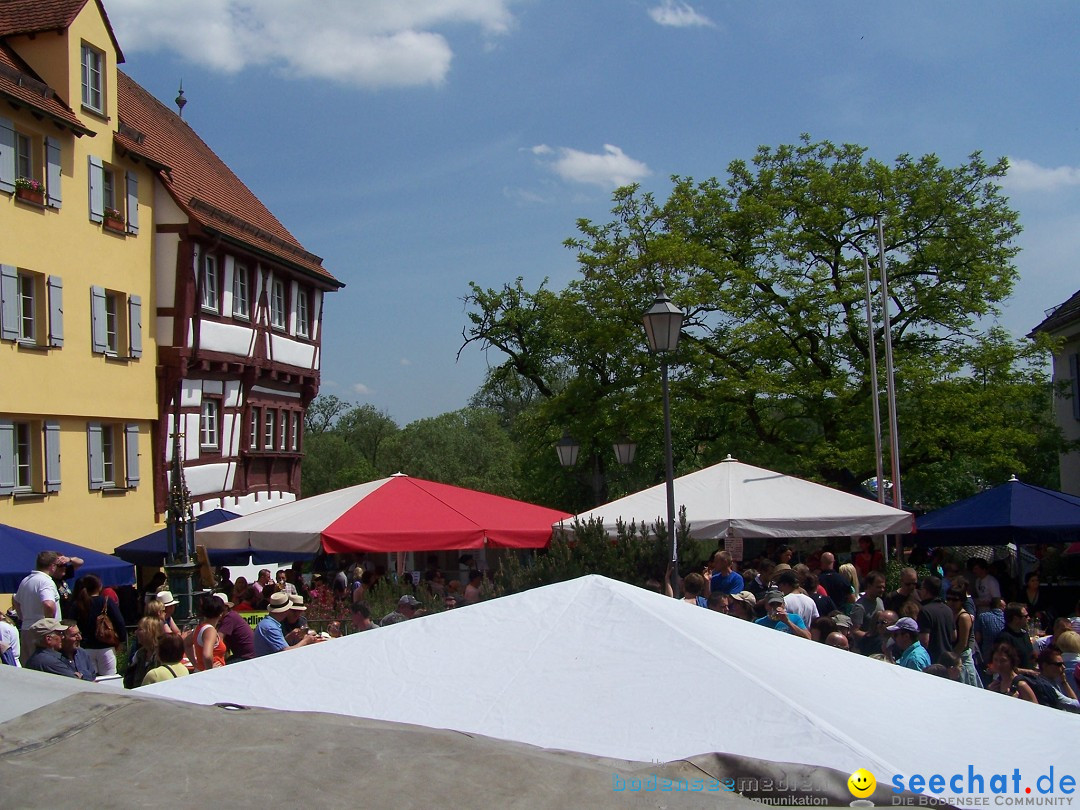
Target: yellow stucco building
{"type": "Point", "coordinates": [77, 359]}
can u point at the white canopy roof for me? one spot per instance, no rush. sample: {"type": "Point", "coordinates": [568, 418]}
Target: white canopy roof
{"type": "Point", "coordinates": [602, 667]}
{"type": "Point", "coordinates": [732, 499]}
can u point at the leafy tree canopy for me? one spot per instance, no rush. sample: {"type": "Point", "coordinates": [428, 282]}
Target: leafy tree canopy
{"type": "Point", "coordinates": [773, 368]}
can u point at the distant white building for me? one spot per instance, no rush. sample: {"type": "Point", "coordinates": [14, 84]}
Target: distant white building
{"type": "Point", "coordinates": [1063, 322]}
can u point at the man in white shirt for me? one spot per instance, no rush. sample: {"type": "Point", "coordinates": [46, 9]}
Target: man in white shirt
{"type": "Point", "coordinates": [796, 601]}
{"type": "Point", "coordinates": [38, 598]}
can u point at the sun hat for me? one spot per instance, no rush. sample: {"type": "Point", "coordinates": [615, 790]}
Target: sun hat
{"type": "Point", "coordinates": [280, 603]}
{"type": "Point", "coordinates": [166, 598]}
{"type": "Point", "coordinates": [43, 627]}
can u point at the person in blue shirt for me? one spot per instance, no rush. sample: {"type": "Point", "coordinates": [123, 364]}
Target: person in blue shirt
{"type": "Point", "coordinates": [905, 635]}
{"type": "Point", "coordinates": [723, 578]}
{"type": "Point", "coordinates": [269, 635]}
{"type": "Point", "coordinates": [777, 617]}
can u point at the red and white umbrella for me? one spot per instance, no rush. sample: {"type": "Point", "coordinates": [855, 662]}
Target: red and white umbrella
{"type": "Point", "coordinates": [398, 513]}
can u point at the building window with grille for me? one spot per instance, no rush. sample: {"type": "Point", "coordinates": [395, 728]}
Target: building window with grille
{"type": "Point", "coordinates": [211, 299]}
{"type": "Point", "coordinates": [277, 304]}
{"type": "Point", "coordinates": [303, 314]}
{"type": "Point", "coordinates": [93, 89]}
{"type": "Point", "coordinates": [240, 293]}
{"type": "Point", "coordinates": [210, 425]}
{"type": "Point", "coordinates": [270, 432]}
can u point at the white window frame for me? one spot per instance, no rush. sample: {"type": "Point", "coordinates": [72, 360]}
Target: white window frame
{"type": "Point", "coordinates": [210, 425]}
{"type": "Point", "coordinates": [303, 314]}
{"type": "Point", "coordinates": [24, 157]}
{"type": "Point", "coordinates": [255, 427]}
{"type": "Point", "coordinates": [108, 455]}
{"type": "Point", "coordinates": [294, 441]}
{"type": "Point", "coordinates": [277, 304]}
{"type": "Point", "coordinates": [269, 428]}
{"type": "Point", "coordinates": [241, 292]}
{"type": "Point", "coordinates": [93, 78]}
{"type": "Point", "coordinates": [211, 289]}
{"type": "Point", "coordinates": [112, 322]}
{"type": "Point", "coordinates": [23, 457]}
{"type": "Point", "coordinates": [28, 308]}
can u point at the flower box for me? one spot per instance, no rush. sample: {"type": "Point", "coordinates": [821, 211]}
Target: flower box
{"type": "Point", "coordinates": [30, 195]}
{"type": "Point", "coordinates": [114, 220]}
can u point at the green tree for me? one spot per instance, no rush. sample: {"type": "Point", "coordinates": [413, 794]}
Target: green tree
{"type": "Point", "coordinates": [773, 368]}
{"type": "Point", "coordinates": [467, 448]}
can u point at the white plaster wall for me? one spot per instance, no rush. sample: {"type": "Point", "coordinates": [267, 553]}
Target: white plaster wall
{"type": "Point", "coordinates": [206, 478]}
{"type": "Point", "coordinates": [165, 247]}
{"type": "Point", "coordinates": [292, 352]}
{"type": "Point", "coordinates": [164, 328]}
{"type": "Point", "coordinates": [231, 338]}
{"type": "Point", "coordinates": [233, 394]}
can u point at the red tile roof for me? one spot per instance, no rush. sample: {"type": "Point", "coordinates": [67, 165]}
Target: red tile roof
{"type": "Point", "coordinates": [19, 84]}
{"type": "Point", "coordinates": [200, 182]}
{"type": "Point", "coordinates": [34, 16]}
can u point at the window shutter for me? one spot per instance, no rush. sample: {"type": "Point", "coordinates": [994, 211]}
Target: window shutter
{"type": "Point", "coordinates": [56, 311]}
{"type": "Point", "coordinates": [52, 456]}
{"type": "Point", "coordinates": [9, 302]}
{"type": "Point", "coordinates": [132, 202]}
{"type": "Point", "coordinates": [131, 461]}
{"type": "Point", "coordinates": [7, 155]}
{"type": "Point", "coordinates": [7, 457]}
{"type": "Point", "coordinates": [99, 338]}
{"type": "Point", "coordinates": [95, 457]}
{"type": "Point", "coordinates": [135, 326]}
{"type": "Point", "coordinates": [97, 189]}
{"type": "Point", "coordinates": [52, 171]}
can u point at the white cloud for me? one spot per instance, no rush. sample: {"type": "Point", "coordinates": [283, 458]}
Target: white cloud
{"type": "Point", "coordinates": [360, 388]}
{"type": "Point", "coordinates": [676, 14]}
{"type": "Point", "coordinates": [376, 43]}
{"type": "Point", "coordinates": [405, 361]}
{"type": "Point", "coordinates": [609, 169]}
{"type": "Point", "coordinates": [1025, 175]}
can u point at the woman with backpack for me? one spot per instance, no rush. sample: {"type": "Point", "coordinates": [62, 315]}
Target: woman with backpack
{"type": "Point", "coordinates": [100, 622]}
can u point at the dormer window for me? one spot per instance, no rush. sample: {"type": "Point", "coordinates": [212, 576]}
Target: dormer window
{"type": "Point", "coordinates": [93, 88]}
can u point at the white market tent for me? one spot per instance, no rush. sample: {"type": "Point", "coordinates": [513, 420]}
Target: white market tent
{"type": "Point", "coordinates": [604, 668]}
{"type": "Point", "coordinates": [57, 732]}
{"type": "Point", "coordinates": [732, 499]}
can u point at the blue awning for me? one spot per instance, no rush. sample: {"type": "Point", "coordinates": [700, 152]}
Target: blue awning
{"type": "Point", "coordinates": [18, 556]}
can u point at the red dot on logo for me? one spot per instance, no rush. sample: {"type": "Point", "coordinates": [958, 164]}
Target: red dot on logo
{"type": "Point", "coordinates": [1027, 790]}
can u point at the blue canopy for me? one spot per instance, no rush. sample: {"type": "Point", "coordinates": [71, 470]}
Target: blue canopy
{"type": "Point", "coordinates": [1014, 512]}
{"type": "Point", "coordinates": [154, 547]}
{"type": "Point", "coordinates": [18, 555]}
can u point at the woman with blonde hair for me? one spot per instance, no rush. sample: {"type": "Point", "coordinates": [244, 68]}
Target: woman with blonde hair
{"type": "Point", "coordinates": [848, 572]}
{"type": "Point", "coordinates": [148, 632]}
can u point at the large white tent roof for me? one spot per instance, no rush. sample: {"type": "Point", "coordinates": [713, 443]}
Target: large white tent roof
{"type": "Point", "coordinates": [732, 499]}
{"type": "Point", "coordinates": [605, 668]}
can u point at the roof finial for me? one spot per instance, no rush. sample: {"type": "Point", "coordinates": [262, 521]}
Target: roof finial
{"type": "Point", "coordinates": [180, 100]}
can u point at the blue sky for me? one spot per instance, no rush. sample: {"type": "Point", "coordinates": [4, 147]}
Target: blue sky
{"type": "Point", "coordinates": [418, 145]}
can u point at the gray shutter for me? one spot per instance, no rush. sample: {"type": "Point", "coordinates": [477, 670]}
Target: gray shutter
{"type": "Point", "coordinates": [95, 458]}
{"type": "Point", "coordinates": [132, 202]}
{"type": "Point", "coordinates": [56, 311]}
{"type": "Point", "coordinates": [52, 456]}
{"type": "Point", "coordinates": [52, 171]}
{"type": "Point", "coordinates": [135, 326]}
{"type": "Point", "coordinates": [97, 189]}
{"type": "Point", "coordinates": [7, 457]}
{"type": "Point", "coordinates": [9, 302]}
{"type": "Point", "coordinates": [7, 155]}
{"type": "Point", "coordinates": [131, 461]}
{"type": "Point", "coordinates": [98, 335]}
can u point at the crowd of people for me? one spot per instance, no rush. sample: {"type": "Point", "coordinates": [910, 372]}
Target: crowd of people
{"type": "Point", "coordinates": [953, 622]}
{"type": "Point", "coordinates": [953, 625]}
{"type": "Point", "coordinates": [79, 636]}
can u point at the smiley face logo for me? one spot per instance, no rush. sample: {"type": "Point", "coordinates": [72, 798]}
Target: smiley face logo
{"type": "Point", "coordinates": [861, 783]}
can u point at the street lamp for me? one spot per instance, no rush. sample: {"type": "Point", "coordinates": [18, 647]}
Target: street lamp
{"type": "Point", "coordinates": [624, 451]}
{"type": "Point", "coordinates": [567, 449]}
{"type": "Point", "coordinates": [663, 326]}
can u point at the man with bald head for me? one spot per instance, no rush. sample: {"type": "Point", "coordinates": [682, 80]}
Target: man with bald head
{"type": "Point", "coordinates": [836, 585]}
{"type": "Point", "coordinates": [873, 643]}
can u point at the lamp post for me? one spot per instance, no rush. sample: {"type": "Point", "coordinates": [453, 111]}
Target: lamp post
{"type": "Point", "coordinates": [663, 326]}
{"type": "Point", "coordinates": [567, 448]}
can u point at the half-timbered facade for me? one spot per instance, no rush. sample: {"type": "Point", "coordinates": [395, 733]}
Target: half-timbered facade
{"type": "Point", "coordinates": [238, 312]}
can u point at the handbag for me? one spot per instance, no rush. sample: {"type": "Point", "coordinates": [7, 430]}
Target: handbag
{"type": "Point", "coordinates": [104, 631]}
